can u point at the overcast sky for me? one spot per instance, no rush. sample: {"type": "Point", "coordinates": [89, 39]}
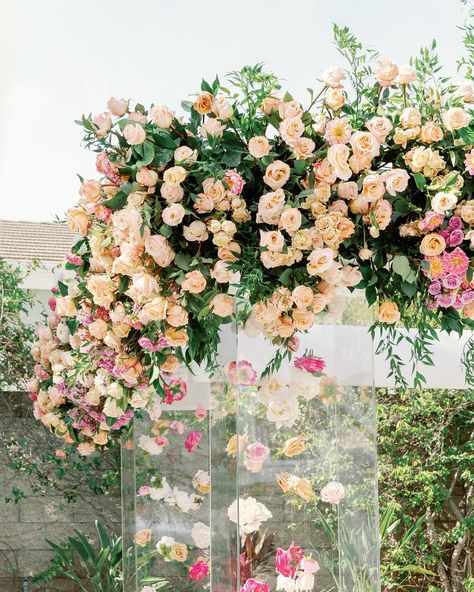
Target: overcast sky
{"type": "Point", "coordinates": [62, 58]}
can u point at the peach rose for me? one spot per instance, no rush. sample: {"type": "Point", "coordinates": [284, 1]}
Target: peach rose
{"type": "Point", "coordinates": [99, 287]}
{"type": "Point", "coordinates": [302, 296]}
{"type": "Point", "coordinates": [291, 129]}
{"type": "Point", "coordinates": [290, 220]}
{"type": "Point", "coordinates": [117, 107]}
{"type": "Point", "coordinates": [430, 132]}
{"type": "Point", "coordinates": [194, 283]}
{"type": "Point", "coordinates": [90, 191]}
{"type": "Point", "coordinates": [203, 103]}
{"type": "Point", "coordinates": [320, 122]}
{"type": "Point", "coordinates": [143, 287]}
{"type": "Point", "coordinates": [153, 311]}
{"type": "Point", "coordinates": [176, 316]}
{"type": "Point", "coordinates": [65, 306]}
{"type": "Point", "coordinates": [77, 220]}
{"type": "Point", "coordinates": [179, 552]}
{"type": "Point", "coordinates": [159, 248]}
{"type": "Point", "coordinates": [134, 134]}
{"type": "Point", "coordinates": [455, 118]}
{"type": "Point", "coordinates": [385, 72]}
{"type": "Point", "coordinates": [221, 273]}
{"type": "Point", "coordinates": [351, 276]}
{"type": "Point", "coordinates": [273, 240]}
{"type": "Point", "coordinates": [382, 212]}
{"type": "Point", "coordinates": [137, 117]}
{"type": "Point", "coordinates": [410, 117]}
{"type": "Point", "coordinates": [222, 305]}
{"type": "Point", "coordinates": [337, 158]}
{"type": "Point", "coordinates": [102, 124]}
{"type": "Point", "coordinates": [98, 328]}
{"type": "Point", "coordinates": [196, 232]}
{"type": "Point", "coordinates": [396, 180]}
{"type": "Point", "coordinates": [171, 364]}
{"type": "Point", "coordinates": [365, 143]}
{"type": "Point", "coordinates": [334, 98]}
{"type": "Point", "coordinates": [372, 187]}
{"type": "Point", "coordinates": [173, 214]}
{"type": "Point", "coordinates": [143, 537]}
{"type": "Point", "coordinates": [432, 244]}
{"type": "Point", "coordinates": [270, 207]}
{"type": "Point", "coordinates": [303, 320]}
{"type": "Point", "coordinates": [294, 446]}
{"type": "Point", "coordinates": [276, 174]}
{"type": "Point", "coordinates": [269, 104]}
{"type": "Point", "coordinates": [304, 490]}
{"type": "Point", "coordinates": [222, 108]}
{"type": "Point", "coordinates": [259, 146]}
{"type": "Point", "coordinates": [303, 148]}
{"type": "Point", "coordinates": [161, 116]}
{"type": "Point", "coordinates": [286, 481]}
{"type": "Point", "coordinates": [175, 175]}
{"type": "Point", "coordinates": [147, 177]}
{"type": "Point", "coordinates": [320, 260]}
{"type": "Point", "coordinates": [348, 190]}
{"type": "Point", "coordinates": [172, 193]}
{"type": "Point", "coordinates": [288, 109]}
{"type": "Point", "coordinates": [387, 312]}
{"type": "Point", "coordinates": [212, 127]}
{"type": "Point", "coordinates": [465, 91]}
{"type": "Point", "coordinates": [214, 189]}
{"type": "Point", "coordinates": [379, 127]}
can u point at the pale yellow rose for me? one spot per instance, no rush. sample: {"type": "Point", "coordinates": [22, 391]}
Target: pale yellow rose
{"type": "Point", "coordinates": [467, 212]}
{"type": "Point", "coordinates": [304, 490]}
{"type": "Point", "coordinates": [303, 320]}
{"type": "Point", "coordinates": [430, 132]}
{"type": "Point", "coordinates": [259, 146]}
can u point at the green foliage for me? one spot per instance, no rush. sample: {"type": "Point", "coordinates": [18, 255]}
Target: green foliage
{"type": "Point", "coordinates": [16, 362]}
{"type": "Point", "coordinates": [426, 472]}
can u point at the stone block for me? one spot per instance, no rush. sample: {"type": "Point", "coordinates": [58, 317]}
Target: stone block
{"type": "Point", "coordinates": [46, 509]}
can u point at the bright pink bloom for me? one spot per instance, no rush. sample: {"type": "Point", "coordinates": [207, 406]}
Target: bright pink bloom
{"type": "Point", "coordinates": [192, 440]}
{"type": "Point", "coordinates": [431, 221]}
{"type": "Point", "coordinates": [105, 167]}
{"type": "Point", "coordinates": [40, 372]}
{"type": "Point", "coordinates": [52, 304]}
{"type": "Point", "coordinates": [294, 343]}
{"type": "Point", "coordinates": [456, 262]}
{"type": "Point", "coordinates": [178, 426]}
{"type": "Point", "coordinates": [198, 571]}
{"type": "Point", "coordinates": [74, 259]}
{"type": "Point", "coordinates": [310, 364]}
{"type": "Point", "coordinates": [147, 343]}
{"type": "Point", "coordinates": [175, 391]}
{"type": "Point", "coordinates": [287, 561]}
{"type": "Point", "coordinates": [455, 238]}
{"type": "Point", "coordinates": [469, 162]}
{"type": "Point", "coordinates": [252, 585]}
{"type": "Point", "coordinates": [234, 181]}
{"type": "Point", "coordinates": [161, 441]}
{"type": "Point", "coordinates": [257, 452]}
{"type": "Point", "coordinates": [242, 374]}
{"type": "Point", "coordinates": [144, 490]}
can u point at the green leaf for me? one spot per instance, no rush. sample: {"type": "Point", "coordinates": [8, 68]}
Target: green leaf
{"type": "Point", "coordinates": [285, 277]}
{"type": "Point", "coordinates": [420, 180]}
{"type": "Point", "coordinates": [300, 166]}
{"type": "Point", "coordinates": [116, 202]}
{"type": "Point", "coordinates": [183, 261]}
{"type": "Point", "coordinates": [162, 157]}
{"type": "Point", "coordinates": [165, 141]}
{"type": "Point", "coordinates": [148, 154]}
{"type": "Point", "coordinates": [401, 266]}
{"type": "Point", "coordinates": [232, 158]}
{"type": "Point", "coordinates": [63, 289]}
{"type": "Point", "coordinates": [166, 230]}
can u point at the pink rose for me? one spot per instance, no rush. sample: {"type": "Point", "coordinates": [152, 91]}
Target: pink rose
{"type": "Point", "coordinates": [178, 426]}
{"type": "Point", "coordinates": [192, 440]}
{"type": "Point", "coordinates": [159, 248]}
{"type": "Point", "coordinates": [222, 305]}
{"type": "Point", "coordinates": [102, 124]}
{"type": "Point", "coordinates": [242, 373]}
{"type": "Point", "coordinates": [256, 454]}
{"type": "Point", "coordinates": [200, 412]}
{"type": "Point", "coordinates": [198, 571]}
{"type": "Point", "coordinates": [252, 585]}
{"type": "Point", "coordinates": [287, 561]}
{"type": "Point", "coordinates": [117, 107]}
{"type": "Point", "coordinates": [310, 364]}
{"type": "Point", "coordinates": [134, 134]}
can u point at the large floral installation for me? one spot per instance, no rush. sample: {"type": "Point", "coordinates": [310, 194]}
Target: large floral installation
{"type": "Point", "coordinates": [257, 208]}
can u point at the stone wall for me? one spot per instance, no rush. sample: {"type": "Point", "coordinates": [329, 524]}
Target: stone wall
{"type": "Point", "coordinates": [40, 515]}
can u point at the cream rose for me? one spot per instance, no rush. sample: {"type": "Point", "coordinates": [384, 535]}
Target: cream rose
{"type": "Point", "coordinates": [455, 118]}
{"type": "Point", "coordinates": [103, 124]}
{"type": "Point", "coordinates": [273, 240]}
{"type": "Point", "coordinates": [179, 552]}
{"type": "Point", "coordinates": [196, 231]}
{"type": "Point", "coordinates": [269, 104]}
{"type": "Point", "coordinates": [410, 117]}
{"type": "Point", "coordinates": [176, 316]}
{"type": "Point", "coordinates": [406, 74]}
{"type": "Point", "coordinates": [380, 127]}
{"type": "Point", "coordinates": [147, 177]}
{"type": "Point", "coordinates": [290, 129]}
{"type": "Point", "coordinates": [303, 148]}
{"type": "Point", "coordinates": [333, 493]}
{"type": "Point", "coordinates": [175, 175]}
{"type": "Point", "coordinates": [430, 132]}
{"type": "Point", "coordinates": [212, 127]}
{"type": "Point", "coordinates": [337, 157]}
{"type": "Point", "coordinates": [270, 207]}
{"type": "Point", "coordinates": [288, 109]}
{"type": "Point", "coordinates": [172, 193]}
{"type": "Point", "coordinates": [396, 181]}
{"type": "Point", "coordinates": [201, 535]}
{"type": "Point", "coordinates": [334, 98]}
{"type": "Point", "coordinates": [134, 134]}
{"type": "Point", "coordinates": [334, 76]}
{"type": "Point", "coordinates": [465, 91]}
{"type": "Point", "coordinates": [290, 220]}
{"type": "Point", "coordinates": [222, 108]}
{"type": "Point", "coordinates": [154, 310]}
{"type": "Point", "coordinates": [320, 260]}
{"type": "Point", "coordinates": [276, 174]}
{"type": "Point", "coordinates": [259, 146]}
{"type": "Point", "coordinates": [372, 187]}
{"type": "Point", "coordinates": [173, 214]}
{"type": "Point", "coordinates": [348, 190]}
{"type": "Point", "coordinates": [185, 154]}
{"type": "Point", "coordinates": [385, 71]}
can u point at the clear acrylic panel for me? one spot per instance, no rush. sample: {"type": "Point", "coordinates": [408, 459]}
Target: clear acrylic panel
{"type": "Point", "coordinates": [280, 492]}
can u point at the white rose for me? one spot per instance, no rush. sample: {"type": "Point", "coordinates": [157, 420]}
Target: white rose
{"type": "Point", "coordinates": [283, 409]}
{"type": "Point", "coordinates": [249, 513]}
{"type": "Point", "coordinates": [201, 535]}
{"type": "Point", "coordinates": [333, 492]}
{"type": "Point", "coordinates": [334, 76]}
{"type": "Point", "coordinates": [443, 201]}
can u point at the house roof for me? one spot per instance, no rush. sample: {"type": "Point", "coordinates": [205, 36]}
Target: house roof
{"type": "Point", "coordinates": [42, 241]}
